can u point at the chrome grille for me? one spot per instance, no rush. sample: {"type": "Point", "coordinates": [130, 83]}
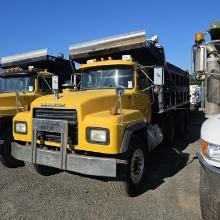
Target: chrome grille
{"type": "Point", "coordinates": [69, 115]}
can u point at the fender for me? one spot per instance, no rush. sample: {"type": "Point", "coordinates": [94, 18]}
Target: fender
{"type": "Point", "coordinates": [128, 133]}
{"type": "Point", "coordinates": [152, 134]}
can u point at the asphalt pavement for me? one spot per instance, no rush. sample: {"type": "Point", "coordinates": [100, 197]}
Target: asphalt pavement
{"type": "Point", "coordinates": [171, 189]}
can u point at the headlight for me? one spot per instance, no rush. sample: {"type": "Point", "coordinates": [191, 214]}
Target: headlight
{"type": "Point", "coordinates": [20, 127]}
{"type": "Point", "coordinates": [211, 151]}
{"type": "Point", "coordinates": [97, 135]}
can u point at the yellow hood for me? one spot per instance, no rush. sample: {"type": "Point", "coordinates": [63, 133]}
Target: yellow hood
{"type": "Point", "coordinates": [85, 102]}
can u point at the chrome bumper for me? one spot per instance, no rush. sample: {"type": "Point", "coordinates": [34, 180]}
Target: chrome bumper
{"type": "Point", "coordinates": [206, 166]}
{"type": "Point", "coordinates": [95, 166]}
{"type": "Point", "coordinates": [211, 176]}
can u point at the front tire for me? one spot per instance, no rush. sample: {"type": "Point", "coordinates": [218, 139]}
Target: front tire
{"type": "Point", "coordinates": [6, 158]}
{"type": "Point", "coordinates": [130, 177]}
{"type": "Point", "coordinates": [40, 169]}
{"type": "Point", "coordinates": [136, 166]}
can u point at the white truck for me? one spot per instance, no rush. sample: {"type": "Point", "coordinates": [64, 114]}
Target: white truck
{"type": "Point", "coordinates": [207, 68]}
{"type": "Point", "coordinates": [196, 93]}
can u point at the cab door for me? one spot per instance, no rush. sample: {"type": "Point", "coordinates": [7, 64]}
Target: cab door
{"type": "Point", "coordinates": [143, 95]}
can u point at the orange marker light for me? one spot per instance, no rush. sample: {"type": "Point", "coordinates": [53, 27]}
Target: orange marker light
{"type": "Point", "coordinates": [204, 148]}
{"type": "Point", "coordinates": [199, 37]}
{"type": "Point", "coordinates": [26, 108]}
{"type": "Point", "coordinates": [113, 110]}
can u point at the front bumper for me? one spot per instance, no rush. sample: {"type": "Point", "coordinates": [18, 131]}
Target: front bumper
{"type": "Point", "coordinates": [211, 175]}
{"type": "Point", "coordinates": [89, 165]}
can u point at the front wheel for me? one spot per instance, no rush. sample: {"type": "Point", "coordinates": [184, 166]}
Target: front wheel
{"type": "Point", "coordinates": [40, 169]}
{"type": "Point", "coordinates": [136, 167]}
{"type": "Point", "coordinates": [131, 176]}
{"type": "Point", "coordinates": [6, 158]}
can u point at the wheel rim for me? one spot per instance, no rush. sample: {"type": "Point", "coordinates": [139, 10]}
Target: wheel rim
{"type": "Point", "coordinates": [137, 166]}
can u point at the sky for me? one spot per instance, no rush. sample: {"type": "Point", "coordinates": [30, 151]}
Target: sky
{"type": "Point", "coordinates": [55, 24]}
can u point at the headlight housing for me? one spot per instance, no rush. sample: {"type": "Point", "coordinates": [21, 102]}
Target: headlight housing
{"type": "Point", "coordinates": [20, 127]}
{"type": "Point", "coordinates": [211, 151]}
{"type": "Point", "coordinates": [97, 135]}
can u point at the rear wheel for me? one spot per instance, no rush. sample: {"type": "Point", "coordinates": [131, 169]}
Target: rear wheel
{"type": "Point", "coordinates": [130, 177]}
{"type": "Point", "coordinates": [167, 125]}
{"type": "Point", "coordinates": [6, 158]}
{"type": "Point", "coordinates": [41, 169]}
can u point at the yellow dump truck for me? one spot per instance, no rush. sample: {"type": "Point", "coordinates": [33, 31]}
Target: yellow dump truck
{"type": "Point", "coordinates": [128, 100]}
{"type": "Point", "coordinates": [25, 77]}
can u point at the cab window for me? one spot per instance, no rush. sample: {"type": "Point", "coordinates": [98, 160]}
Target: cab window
{"type": "Point", "coordinates": [142, 80]}
{"type": "Point", "coordinates": [45, 84]}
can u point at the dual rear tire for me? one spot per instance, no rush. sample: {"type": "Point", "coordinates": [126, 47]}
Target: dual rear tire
{"type": "Point", "coordinates": [172, 125]}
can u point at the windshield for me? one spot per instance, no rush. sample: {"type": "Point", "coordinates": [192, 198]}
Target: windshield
{"type": "Point", "coordinates": [24, 84]}
{"type": "Point", "coordinates": [108, 77]}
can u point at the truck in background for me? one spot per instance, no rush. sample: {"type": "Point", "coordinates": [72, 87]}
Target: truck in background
{"type": "Point", "coordinates": [23, 78]}
{"type": "Point", "coordinates": [196, 97]}
{"type": "Point", "coordinates": [128, 101]}
{"type": "Point", "coordinates": [206, 56]}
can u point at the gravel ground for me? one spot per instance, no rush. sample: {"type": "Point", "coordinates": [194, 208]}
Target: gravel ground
{"type": "Point", "coordinates": [170, 191]}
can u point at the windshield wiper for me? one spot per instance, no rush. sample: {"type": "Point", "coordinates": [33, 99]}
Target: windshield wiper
{"type": "Point", "coordinates": [47, 83]}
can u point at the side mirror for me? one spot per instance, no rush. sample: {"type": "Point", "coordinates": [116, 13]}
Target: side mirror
{"type": "Point", "coordinates": [55, 83]}
{"type": "Point", "coordinates": [199, 58]}
{"type": "Point", "coordinates": [55, 86]}
{"type": "Point", "coordinates": [120, 91]}
{"type": "Point", "coordinates": [75, 79]}
{"type": "Point", "coordinates": [158, 76]}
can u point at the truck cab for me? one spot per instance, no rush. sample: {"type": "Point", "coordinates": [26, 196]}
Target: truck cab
{"type": "Point", "coordinates": [207, 69]}
{"type": "Point", "coordinates": [108, 127]}
{"type": "Point", "coordinates": [23, 88]}
{"type": "Point", "coordinates": [24, 78]}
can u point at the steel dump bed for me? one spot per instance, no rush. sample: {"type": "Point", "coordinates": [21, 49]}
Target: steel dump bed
{"type": "Point", "coordinates": [40, 60]}
{"type": "Point", "coordinates": [134, 44]}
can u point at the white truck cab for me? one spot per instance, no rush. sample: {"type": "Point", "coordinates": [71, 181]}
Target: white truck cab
{"type": "Point", "coordinates": [206, 57]}
{"type": "Point", "coordinates": [210, 168]}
